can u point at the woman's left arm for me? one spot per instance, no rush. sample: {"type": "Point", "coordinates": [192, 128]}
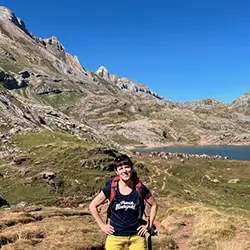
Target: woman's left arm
{"type": "Point", "coordinates": [154, 206]}
{"type": "Point", "coordinates": [142, 230]}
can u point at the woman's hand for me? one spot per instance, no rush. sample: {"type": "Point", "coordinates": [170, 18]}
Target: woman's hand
{"type": "Point", "coordinates": [107, 229]}
{"type": "Point", "coordinates": [142, 230]}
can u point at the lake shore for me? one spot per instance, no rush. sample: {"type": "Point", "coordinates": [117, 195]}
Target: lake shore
{"type": "Point", "coordinates": [177, 145]}
{"type": "Point", "coordinates": [232, 151]}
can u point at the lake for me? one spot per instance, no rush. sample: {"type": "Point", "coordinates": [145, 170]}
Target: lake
{"type": "Point", "coordinates": [233, 152]}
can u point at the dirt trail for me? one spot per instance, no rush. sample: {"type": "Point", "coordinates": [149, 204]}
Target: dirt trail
{"type": "Point", "coordinates": [167, 169]}
{"type": "Point", "coordinates": [179, 227]}
{"type": "Point", "coordinates": [181, 236]}
{"type": "Point", "coordinates": [164, 183]}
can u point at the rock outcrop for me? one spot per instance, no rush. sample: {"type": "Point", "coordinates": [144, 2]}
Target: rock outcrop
{"type": "Point", "coordinates": [242, 104]}
{"type": "Point", "coordinates": [74, 63]}
{"type": "Point", "coordinates": [103, 72]}
{"type": "Point", "coordinates": [20, 49]}
{"type": "Point", "coordinates": [125, 83]}
{"type": "Point", "coordinates": [53, 45]}
{"type": "Point", "coordinates": [10, 82]}
{"type": "Point", "coordinates": [7, 15]}
{"type": "Point", "coordinates": [3, 202]}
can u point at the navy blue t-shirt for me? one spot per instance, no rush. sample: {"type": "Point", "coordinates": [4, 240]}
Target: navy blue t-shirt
{"type": "Point", "coordinates": [125, 210]}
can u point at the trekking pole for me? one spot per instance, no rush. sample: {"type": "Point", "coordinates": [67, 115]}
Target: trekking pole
{"type": "Point", "coordinates": [151, 233]}
{"type": "Point", "coordinates": [149, 242]}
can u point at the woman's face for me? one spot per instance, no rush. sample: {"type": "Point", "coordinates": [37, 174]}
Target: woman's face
{"type": "Point", "coordinates": [124, 170]}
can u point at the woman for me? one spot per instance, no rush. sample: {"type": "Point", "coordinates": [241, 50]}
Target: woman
{"type": "Point", "coordinates": [125, 226]}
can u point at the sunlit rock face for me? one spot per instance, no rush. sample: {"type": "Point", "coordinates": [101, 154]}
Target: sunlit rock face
{"type": "Point", "coordinates": [103, 72]}
{"type": "Point", "coordinates": [8, 16]}
{"type": "Point", "coordinates": [53, 45]}
{"type": "Point", "coordinates": [74, 62]}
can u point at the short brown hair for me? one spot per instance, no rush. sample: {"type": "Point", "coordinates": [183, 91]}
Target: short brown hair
{"type": "Point", "coordinates": [122, 160]}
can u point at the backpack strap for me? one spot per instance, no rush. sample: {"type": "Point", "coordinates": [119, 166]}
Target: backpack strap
{"type": "Point", "coordinates": [138, 185]}
{"type": "Point", "coordinates": [114, 187]}
{"type": "Point", "coordinates": [113, 192]}
{"type": "Point", "coordinates": [139, 190]}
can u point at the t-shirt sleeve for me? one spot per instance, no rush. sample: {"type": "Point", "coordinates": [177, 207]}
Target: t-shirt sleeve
{"type": "Point", "coordinates": [145, 191]}
{"type": "Point", "coordinates": [106, 190]}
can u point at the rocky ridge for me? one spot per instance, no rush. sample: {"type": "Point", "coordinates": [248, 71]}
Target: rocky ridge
{"type": "Point", "coordinates": [125, 83]}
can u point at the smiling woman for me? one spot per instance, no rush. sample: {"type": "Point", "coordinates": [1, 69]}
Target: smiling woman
{"type": "Point", "coordinates": [126, 195]}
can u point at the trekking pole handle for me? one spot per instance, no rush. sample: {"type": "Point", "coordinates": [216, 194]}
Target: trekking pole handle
{"type": "Point", "coordinates": [152, 231]}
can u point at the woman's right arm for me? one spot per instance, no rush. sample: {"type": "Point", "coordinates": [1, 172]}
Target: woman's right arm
{"type": "Point", "coordinates": [95, 203]}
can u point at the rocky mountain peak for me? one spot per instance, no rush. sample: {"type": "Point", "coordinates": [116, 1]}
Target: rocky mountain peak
{"type": "Point", "coordinates": [53, 45]}
{"type": "Point", "coordinates": [103, 72]}
{"type": "Point", "coordinates": [242, 104]}
{"type": "Point", "coordinates": [130, 85]}
{"type": "Point", "coordinates": [125, 83]}
{"type": "Point", "coordinates": [7, 15]}
{"type": "Point", "coordinates": [74, 63]}
{"type": "Point", "coordinates": [49, 55]}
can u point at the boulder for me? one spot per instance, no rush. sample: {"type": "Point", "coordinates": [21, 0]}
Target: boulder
{"type": "Point", "coordinates": [3, 202]}
{"type": "Point", "coordinates": [22, 204]}
{"type": "Point", "coordinates": [24, 74]}
{"type": "Point", "coordinates": [48, 175]}
{"type": "Point", "coordinates": [234, 181]}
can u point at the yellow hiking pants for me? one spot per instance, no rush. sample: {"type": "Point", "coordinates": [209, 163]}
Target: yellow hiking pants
{"type": "Point", "coordinates": [135, 242]}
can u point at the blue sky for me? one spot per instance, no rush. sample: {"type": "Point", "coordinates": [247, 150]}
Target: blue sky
{"type": "Point", "coordinates": [185, 50]}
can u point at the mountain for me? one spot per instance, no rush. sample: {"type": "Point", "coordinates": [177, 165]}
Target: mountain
{"type": "Point", "coordinates": [42, 87]}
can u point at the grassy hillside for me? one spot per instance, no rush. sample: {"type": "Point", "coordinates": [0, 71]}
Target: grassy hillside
{"type": "Point", "coordinates": [198, 208]}
{"type": "Point", "coordinates": [79, 168]}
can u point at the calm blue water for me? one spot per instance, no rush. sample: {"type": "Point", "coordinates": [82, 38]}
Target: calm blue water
{"type": "Point", "coordinates": [233, 152]}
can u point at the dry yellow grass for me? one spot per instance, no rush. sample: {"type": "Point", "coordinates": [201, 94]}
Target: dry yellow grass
{"type": "Point", "coordinates": [196, 226]}
{"type": "Point", "coordinates": [56, 229]}
{"type": "Point", "coordinates": [189, 226]}
{"type": "Point", "coordinates": [209, 227]}
{"type": "Point", "coordinates": [232, 245]}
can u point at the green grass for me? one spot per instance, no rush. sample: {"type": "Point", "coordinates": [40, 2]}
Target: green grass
{"type": "Point", "coordinates": [2, 88]}
{"type": "Point", "coordinates": [43, 138]}
{"type": "Point", "coordinates": [190, 136]}
{"type": "Point", "coordinates": [4, 128]}
{"type": "Point", "coordinates": [65, 102]}
{"type": "Point", "coordinates": [122, 140]}
{"type": "Point", "coordinates": [188, 182]}
{"type": "Point", "coordinates": [59, 100]}
{"type": "Point", "coordinates": [15, 191]}
{"type": "Point", "coordinates": [10, 66]}
{"type": "Point", "coordinates": [82, 169]}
